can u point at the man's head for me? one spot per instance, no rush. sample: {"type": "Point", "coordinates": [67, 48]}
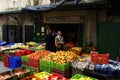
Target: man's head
{"type": "Point", "coordinates": [59, 33]}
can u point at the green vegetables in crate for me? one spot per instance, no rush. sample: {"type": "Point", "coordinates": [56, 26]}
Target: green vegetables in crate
{"type": "Point", "coordinates": [81, 77]}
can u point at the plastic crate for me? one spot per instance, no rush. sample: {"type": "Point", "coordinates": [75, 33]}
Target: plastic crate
{"type": "Point", "coordinates": [79, 76]}
{"type": "Point", "coordinates": [15, 62]}
{"type": "Point", "coordinates": [6, 60]}
{"type": "Point", "coordinates": [25, 58]}
{"type": "Point", "coordinates": [34, 62]}
{"type": "Point", "coordinates": [99, 58]}
{"type": "Point", "coordinates": [59, 77]}
{"type": "Point", "coordinates": [66, 73]}
{"type": "Point", "coordinates": [44, 63]}
{"type": "Point", "coordinates": [53, 64]}
{"type": "Point", "coordinates": [45, 68]}
{"type": "Point", "coordinates": [2, 57]}
{"type": "Point", "coordinates": [60, 66]}
{"type": "Point", "coordinates": [19, 53]}
{"type": "Point", "coordinates": [25, 63]}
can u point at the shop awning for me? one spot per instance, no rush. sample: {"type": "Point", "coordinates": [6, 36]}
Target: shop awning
{"type": "Point", "coordinates": [63, 3]}
{"type": "Point", "coordinates": [41, 8]}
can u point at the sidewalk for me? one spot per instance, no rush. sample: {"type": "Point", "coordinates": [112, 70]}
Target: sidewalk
{"type": "Point", "coordinates": [2, 68]}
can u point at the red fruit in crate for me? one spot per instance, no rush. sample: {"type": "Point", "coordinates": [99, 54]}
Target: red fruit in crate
{"type": "Point", "coordinates": [27, 51]}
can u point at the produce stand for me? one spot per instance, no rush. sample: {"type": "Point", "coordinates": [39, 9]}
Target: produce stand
{"type": "Point", "coordinates": [65, 63]}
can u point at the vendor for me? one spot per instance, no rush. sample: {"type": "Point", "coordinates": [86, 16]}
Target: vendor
{"type": "Point", "coordinates": [59, 41]}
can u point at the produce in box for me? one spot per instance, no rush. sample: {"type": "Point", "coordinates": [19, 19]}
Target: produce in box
{"type": "Point", "coordinates": [42, 75]}
{"type": "Point", "coordinates": [81, 77]}
{"type": "Point", "coordinates": [39, 54]}
{"type": "Point", "coordinates": [56, 77]}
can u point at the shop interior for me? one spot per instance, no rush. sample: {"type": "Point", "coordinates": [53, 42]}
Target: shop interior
{"type": "Point", "coordinates": [71, 32]}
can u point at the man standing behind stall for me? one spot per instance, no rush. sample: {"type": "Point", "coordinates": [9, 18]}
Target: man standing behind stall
{"type": "Point", "coordinates": [50, 40]}
{"type": "Point", "coordinates": [59, 41]}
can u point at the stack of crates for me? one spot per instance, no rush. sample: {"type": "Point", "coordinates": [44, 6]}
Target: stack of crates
{"type": "Point", "coordinates": [15, 62]}
{"type": "Point", "coordinates": [62, 69]}
{"type": "Point", "coordinates": [6, 60]}
{"type": "Point", "coordinates": [25, 60]}
{"type": "Point", "coordinates": [34, 63]}
{"type": "Point", "coordinates": [45, 65]}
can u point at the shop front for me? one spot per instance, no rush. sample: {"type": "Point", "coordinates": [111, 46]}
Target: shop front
{"type": "Point", "coordinates": [71, 23]}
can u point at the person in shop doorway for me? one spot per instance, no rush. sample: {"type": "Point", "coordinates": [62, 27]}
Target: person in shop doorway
{"type": "Point", "coordinates": [59, 41]}
{"type": "Point", "coordinates": [50, 40]}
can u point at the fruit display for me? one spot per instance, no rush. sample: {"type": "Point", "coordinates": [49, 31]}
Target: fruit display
{"type": "Point", "coordinates": [62, 57]}
{"type": "Point", "coordinates": [99, 58]}
{"type": "Point", "coordinates": [56, 76]}
{"type": "Point", "coordinates": [77, 50]}
{"type": "Point", "coordinates": [42, 75]}
{"type": "Point", "coordinates": [16, 45]}
{"type": "Point", "coordinates": [24, 47]}
{"type": "Point", "coordinates": [79, 65]}
{"type": "Point", "coordinates": [59, 60]}
{"type": "Point", "coordinates": [69, 45]}
{"type": "Point", "coordinates": [39, 54]}
{"type": "Point", "coordinates": [40, 47]}
{"type": "Point", "coordinates": [31, 43]}
{"type": "Point", "coordinates": [81, 77]}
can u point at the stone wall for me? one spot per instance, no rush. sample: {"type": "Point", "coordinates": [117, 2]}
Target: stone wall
{"type": "Point", "coordinates": [22, 20]}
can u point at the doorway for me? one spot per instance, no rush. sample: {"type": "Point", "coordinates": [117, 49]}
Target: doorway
{"type": "Point", "coordinates": [12, 33]}
{"type": "Point", "coordinates": [29, 33]}
{"type": "Point", "coordinates": [72, 32]}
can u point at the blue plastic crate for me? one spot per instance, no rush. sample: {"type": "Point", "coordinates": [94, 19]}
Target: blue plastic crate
{"type": "Point", "coordinates": [15, 62]}
{"type": "Point", "coordinates": [3, 43]}
{"type": "Point", "coordinates": [11, 44]}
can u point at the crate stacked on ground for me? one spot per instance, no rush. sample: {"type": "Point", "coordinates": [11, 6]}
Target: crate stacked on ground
{"type": "Point", "coordinates": [6, 60]}
{"type": "Point", "coordinates": [32, 61]}
{"type": "Point", "coordinates": [81, 77]}
{"type": "Point", "coordinates": [1, 56]}
{"type": "Point", "coordinates": [15, 62]}
{"type": "Point", "coordinates": [56, 76]}
{"type": "Point", "coordinates": [22, 52]}
{"type": "Point", "coordinates": [35, 57]}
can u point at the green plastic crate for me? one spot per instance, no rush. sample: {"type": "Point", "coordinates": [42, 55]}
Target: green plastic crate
{"type": "Point", "coordinates": [25, 58]}
{"type": "Point", "coordinates": [53, 64]}
{"type": "Point", "coordinates": [62, 67]}
{"type": "Point", "coordinates": [58, 66]}
{"type": "Point", "coordinates": [45, 68]}
{"type": "Point", "coordinates": [45, 63]}
{"type": "Point", "coordinates": [78, 76]}
{"type": "Point", "coordinates": [1, 57]}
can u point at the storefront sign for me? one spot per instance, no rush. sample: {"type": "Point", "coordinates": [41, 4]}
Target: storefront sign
{"type": "Point", "coordinates": [65, 17]}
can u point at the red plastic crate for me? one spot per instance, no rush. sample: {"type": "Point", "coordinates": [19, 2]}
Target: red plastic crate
{"type": "Point", "coordinates": [34, 62]}
{"type": "Point", "coordinates": [6, 64]}
{"type": "Point", "coordinates": [66, 73]}
{"type": "Point", "coordinates": [59, 77]}
{"type": "Point", "coordinates": [19, 53]}
{"type": "Point", "coordinates": [6, 60]}
{"type": "Point", "coordinates": [99, 58]}
{"type": "Point", "coordinates": [27, 52]}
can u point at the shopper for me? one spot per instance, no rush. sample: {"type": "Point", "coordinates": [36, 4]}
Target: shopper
{"type": "Point", "coordinates": [59, 41]}
{"type": "Point", "coordinates": [50, 40]}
